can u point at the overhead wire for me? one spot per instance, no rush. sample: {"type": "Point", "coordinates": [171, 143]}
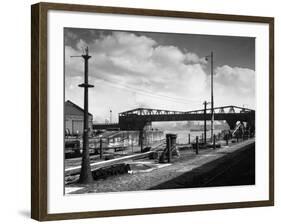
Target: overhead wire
{"type": "Point", "coordinates": [148, 93]}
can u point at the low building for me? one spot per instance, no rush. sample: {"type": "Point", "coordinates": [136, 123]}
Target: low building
{"type": "Point", "coordinates": [74, 118]}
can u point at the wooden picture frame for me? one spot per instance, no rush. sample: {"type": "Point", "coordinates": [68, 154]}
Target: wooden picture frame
{"type": "Point", "coordinates": [39, 110]}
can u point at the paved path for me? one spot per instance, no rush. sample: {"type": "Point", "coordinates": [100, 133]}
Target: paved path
{"type": "Point", "coordinates": [72, 167]}
{"type": "Point", "coordinates": [187, 162]}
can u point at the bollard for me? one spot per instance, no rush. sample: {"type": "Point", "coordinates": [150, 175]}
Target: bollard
{"type": "Point", "coordinates": [188, 138]}
{"type": "Point", "coordinates": [197, 146]}
{"type": "Point", "coordinates": [214, 142]}
{"type": "Point", "coordinates": [169, 144]}
{"type": "Point", "coordinates": [141, 139]}
{"type": "Point", "coordinates": [101, 152]}
{"type": "Point", "coordinates": [226, 139]}
{"type": "Point", "coordinates": [171, 141]}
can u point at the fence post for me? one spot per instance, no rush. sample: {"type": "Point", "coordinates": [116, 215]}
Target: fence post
{"type": "Point", "coordinates": [169, 145]}
{"type": "Point", "coordinates": [214, 142]}
{"type": "Point", "coordinates": [226, 139]}
{"type": "Point", "coordinates": [101, 152]}
{"type": "Point", "coordinates": [197, 146]}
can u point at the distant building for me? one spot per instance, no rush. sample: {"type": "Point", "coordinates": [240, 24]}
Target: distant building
{"type": "Point", "coordinates": [74, 118]}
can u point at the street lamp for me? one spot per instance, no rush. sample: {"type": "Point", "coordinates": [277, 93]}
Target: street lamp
{"type": "Point", "coordinates": [212, 93]}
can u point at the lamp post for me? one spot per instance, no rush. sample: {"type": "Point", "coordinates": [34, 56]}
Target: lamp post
{"type": "Point", "coordinates": [85, 173]}
{"type": "Point", "coordinates": [212, 93]}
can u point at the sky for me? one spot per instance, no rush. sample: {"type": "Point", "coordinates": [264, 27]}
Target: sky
{"type": "Point", "coordinates": [157, 70]}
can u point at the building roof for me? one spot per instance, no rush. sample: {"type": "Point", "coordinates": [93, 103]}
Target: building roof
{"type": "Point", "coordinates": [71, 108]}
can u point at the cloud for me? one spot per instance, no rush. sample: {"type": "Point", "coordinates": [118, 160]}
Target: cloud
{"type": "Point", "coordinates": [130, 70]}
{"type": "Point", "coordinates": [81, 45]}
{"type": "Point", "coordinates": [194, 59]}
{"type": "Point", "coordinates": [240, 81]}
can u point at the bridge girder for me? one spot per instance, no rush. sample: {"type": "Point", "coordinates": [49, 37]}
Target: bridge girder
{"type": "Point", "coordinates": [137, 122]}
{"type": "Point", "coordinates": [138, 118]}
{"type": "Point", "coordinates": [149, 111]}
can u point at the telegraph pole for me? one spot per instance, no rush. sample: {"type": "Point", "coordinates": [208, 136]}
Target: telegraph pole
{"type": "Point", "coordinates": [205, 122]}
{"type": "Point", "coordinates": [85, 173]}
{"type": "Point", "coordinates": [212, 95]}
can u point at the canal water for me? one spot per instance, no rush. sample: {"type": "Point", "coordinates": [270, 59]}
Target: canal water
{"type": "Point", "coordinates": [182, 135]}
{"type": "Point", "coordinates": [131, 138]}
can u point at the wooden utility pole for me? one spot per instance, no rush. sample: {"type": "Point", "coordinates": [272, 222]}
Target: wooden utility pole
{"type": "Point", "coordinates": [85, 173]}
{"type": "Point", "coordinates": [205, 122]}
{"type": "Point", "coordinates": [212, 93]}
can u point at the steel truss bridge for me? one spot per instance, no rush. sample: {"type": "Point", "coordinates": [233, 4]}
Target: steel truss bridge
{"type": "Point", "coordinates": [138, 118]}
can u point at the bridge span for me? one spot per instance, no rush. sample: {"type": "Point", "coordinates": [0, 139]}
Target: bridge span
{"type": "Point", "coordinates": [138, 118]}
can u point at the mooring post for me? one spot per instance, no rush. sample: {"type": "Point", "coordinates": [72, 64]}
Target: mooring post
{"type": "Point", "coordinates": [101, 152]}
{"type": "Point", "coordinates": [196, 146]}
{"type": "Point", "coordinates": [169, 145]}
{"type": "Point", "coordinates": [141, 139]}
{"type": "Point", "coordinates": [188, 138]}
{"type": "Point", "coordinates": [226, 139]}
{"type": "Point", "coordinates": [132, 142]}
{"type": "Point", "coordinates": [214, 141]}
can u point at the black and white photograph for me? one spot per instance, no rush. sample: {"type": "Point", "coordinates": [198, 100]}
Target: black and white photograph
{"type": "Point", "coordinates": [157, 111]}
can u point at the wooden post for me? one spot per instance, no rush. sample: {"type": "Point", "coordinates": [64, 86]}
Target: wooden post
{"type": "Point", "coordinates": [132, 142]}
{"type": "Point", "coordinates": [101, 152]}
{"type": "Point", "coordinates": [214, 142]}
{"type": "Point", "coordinates": [205, 122]}
{"type": "Point", "coordinates": [226, 139]}
{"type": "Point", "coordinates": [188, 138]}
{"type": "Point", "coordinates": [197, 146]}
{"type": "Point", "coordinates": [169, 145]}
{"type": "Point", "coordinates": [141, 139]}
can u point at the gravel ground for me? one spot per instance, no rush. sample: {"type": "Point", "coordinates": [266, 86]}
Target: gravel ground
{"type": "Point", "coordinates": [187, 162]}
